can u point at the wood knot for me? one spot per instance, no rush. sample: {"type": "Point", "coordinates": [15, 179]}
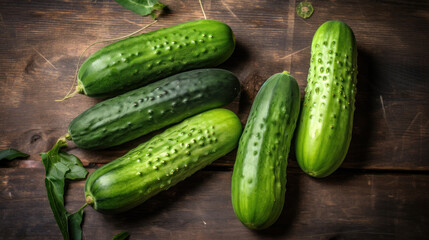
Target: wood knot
{"type": "Point", "coordinates": [34, 138]}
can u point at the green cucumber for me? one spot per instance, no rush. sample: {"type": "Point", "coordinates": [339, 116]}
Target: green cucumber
{"type": "Point", "coordinates": [259, 178]}
{"type": "Point", "coordinates": [139, 60]}
{"type": "Point", "coordinates": [163, 161]}
{"type": "Point", "coordinates": [138, 112]}
{"type": "Point", "coordinates": [325, 126]}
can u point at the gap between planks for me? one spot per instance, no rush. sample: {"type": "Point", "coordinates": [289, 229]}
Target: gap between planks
{"type": "Point", "coordinates": [292, 167]}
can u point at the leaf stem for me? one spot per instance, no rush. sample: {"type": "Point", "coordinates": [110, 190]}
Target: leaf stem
{"type": "Point", "coordinates": [84, 206]}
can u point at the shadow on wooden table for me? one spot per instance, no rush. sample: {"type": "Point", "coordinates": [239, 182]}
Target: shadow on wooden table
{"type": "Point", "coordinates": [357, 155]}
{"type": "Point", "coordinates": [178, 201]}
{"type": "Point", "coordinates": [238, 60]}
{"type": "Point", "coordinates": [290, 209]}
{"type": "Point", "coordinates": [103, 156]}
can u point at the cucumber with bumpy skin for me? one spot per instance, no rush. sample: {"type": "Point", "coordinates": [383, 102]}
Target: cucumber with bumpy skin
{"type": "Point", "coordinates": [325, 126]}
{"type": "Point", "coordinates": [163, 161]}
{"type": "Point", "coordinates": [259, 179]}
{"type": "Point", "coordinates": [136, 61]}
{"type": "Point", "coordinates": [133, 114]}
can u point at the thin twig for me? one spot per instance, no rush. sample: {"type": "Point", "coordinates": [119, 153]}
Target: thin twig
{"type": "Point", "coordinates": [294, 53]}
{"type": "Point", "coordinates": [202, 9]}
{"type": "Point", "coordinates": [45, 58]}
{"type": "Point", "coordinates": [230, 11]}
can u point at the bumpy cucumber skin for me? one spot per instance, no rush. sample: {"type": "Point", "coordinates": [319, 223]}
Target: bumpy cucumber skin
{"type": "Point", "coordinates": [163, 161]}
{"type": "Point", "coordinates": [137, 61]}
{"type": "Point", "coordinates": [325, 126]}
{"type": "Point", "coordinates": [133, 114]}
{"type": "Point", "coordinates": [259, 178]}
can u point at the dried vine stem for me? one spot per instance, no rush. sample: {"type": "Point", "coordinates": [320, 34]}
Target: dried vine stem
{"type": "Point", "coordinates": [202, 9]}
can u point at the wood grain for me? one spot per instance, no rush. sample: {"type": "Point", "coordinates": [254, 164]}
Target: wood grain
{"type": "Point", "coordinates": [344, 206]}
{"type": "Point", "coordinates": [41, 42]}
{"type": "Point", "coordinates": [380, 192]}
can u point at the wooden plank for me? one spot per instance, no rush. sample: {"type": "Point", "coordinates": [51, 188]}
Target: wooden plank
{"type": "Point", "coordinates": [41, 42]}
{"type": "Point", "coordinates": [346, 205]}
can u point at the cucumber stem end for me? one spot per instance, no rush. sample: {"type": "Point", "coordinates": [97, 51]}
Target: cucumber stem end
{"type": "Point", "coordinates": [89, 200]}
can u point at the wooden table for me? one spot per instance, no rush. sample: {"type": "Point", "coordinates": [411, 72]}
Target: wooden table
{"type": "Point", "coordinates": [380, 192]}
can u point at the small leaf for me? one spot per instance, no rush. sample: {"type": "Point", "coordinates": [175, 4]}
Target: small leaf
{"type": "Point", "coordinates": [143, 7]}
{"type": "Point", "coordinates": [77, 171]}
{"type": "Point", "coordinates": [304, 9]}
{"type": "Point", "coordinates": [10, 154]}
{"type": "Point", "coordinates": [121, 236]}
{"type": "Point", "coordinates": [58, 167]}
{"type": "Point", "coordinates": [75, 222]}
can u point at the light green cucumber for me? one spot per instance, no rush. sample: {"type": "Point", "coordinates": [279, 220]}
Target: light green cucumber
{"type": "Point", "coordinates": [136, 61]}
{"type": "Point", "coordinates": [325, 126]}
{"type": "Point", "coordinates": [259, 178]}
{"type": "Point", "coordinates": [163, 161]}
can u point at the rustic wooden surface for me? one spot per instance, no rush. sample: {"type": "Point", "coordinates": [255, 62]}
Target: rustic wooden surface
{"type": "Point", "coordinates": [344, 206]}
{"type": "Point", "coordinates": [380, 192]}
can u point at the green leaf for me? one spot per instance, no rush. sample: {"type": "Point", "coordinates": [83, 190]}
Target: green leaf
{"type": "Point", "coordinates": [57, 205]}
{"type": "Point", "coordinates": [58, 167]}
{"type": "Point", "coordinates": [77, 171]}
{"type": "Point", "coordinates": [143, 7]}
{"type": "Point", "coordinates": [304, 9]}
{"type": "Point", "coordinates": [121, 236]}
{"type": "Point", "coordinates": [75, 222]}
{"type": "Point", "coordinates": [10, 154]}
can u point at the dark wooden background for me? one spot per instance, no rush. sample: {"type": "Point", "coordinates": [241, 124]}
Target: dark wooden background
{"type": "Point", "coordinates": [380, 192]}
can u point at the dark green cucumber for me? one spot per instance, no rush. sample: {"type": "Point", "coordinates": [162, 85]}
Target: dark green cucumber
{"type": "Point", "coordinates": [259, 178]}
{"type": "Point", "coordinates": [133, 114]}
{"type": "Point", "coordinates": [137, 61]}
{"type": "Point", "coordinates": [325, 126]}
{"type": "Point", "coordinates": [163, 161]}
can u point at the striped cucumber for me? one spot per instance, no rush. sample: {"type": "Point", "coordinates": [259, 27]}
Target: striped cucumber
{"type": "Point", "coordinates": [259, 178]}
{"type": "Point", "coordinates": [133, 114]}
{"type": "Point", "coordinates": [139, 60]}
{"type": "Point", "coordinates": [163, 161]}
{"type": "Point", "coordinates": [325, 126]}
